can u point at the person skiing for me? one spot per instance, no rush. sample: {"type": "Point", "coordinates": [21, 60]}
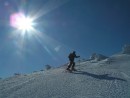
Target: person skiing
{"type": "Point", "coordinates": [71, 57]}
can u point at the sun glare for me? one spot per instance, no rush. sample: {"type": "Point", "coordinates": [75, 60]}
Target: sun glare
{"type": "Point", "coordinates": [21, 22]}
{"type": "Point", "coordinates": [24, 24]}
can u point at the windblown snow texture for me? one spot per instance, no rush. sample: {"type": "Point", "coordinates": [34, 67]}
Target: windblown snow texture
{"type": "Point", "coordinates": [109, 78]}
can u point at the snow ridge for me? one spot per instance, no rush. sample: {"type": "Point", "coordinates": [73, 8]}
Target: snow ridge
{"type": "Point", "coordinates": [98, 79]}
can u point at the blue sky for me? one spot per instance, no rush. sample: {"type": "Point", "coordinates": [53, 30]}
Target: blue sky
{"type": "Point", "coordinates": [86, 26]}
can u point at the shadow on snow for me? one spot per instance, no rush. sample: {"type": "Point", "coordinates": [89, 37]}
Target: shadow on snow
{"type": "Point", "coordinates": [102, 77]}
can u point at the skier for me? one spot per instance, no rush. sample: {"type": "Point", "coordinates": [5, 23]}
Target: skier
{"type": "Point", "coordinates": [71, 57]}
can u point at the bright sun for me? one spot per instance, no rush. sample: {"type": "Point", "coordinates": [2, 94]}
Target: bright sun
{"type": "Point", "coordinates": [24, 24]}
{"type": "Point", "coordinates": [21, 22]}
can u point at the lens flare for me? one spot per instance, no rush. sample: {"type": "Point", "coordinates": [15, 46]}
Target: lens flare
{"type": "Point", "coordinates": [21, 22]}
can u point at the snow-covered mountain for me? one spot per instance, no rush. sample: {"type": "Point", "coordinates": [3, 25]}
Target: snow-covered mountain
{"type": "Point", "coordinates": [126, 49]}
{"type": "Point", "coordinates": [109, 78]}
{"type": "Point", "coordinates": [97, 57]}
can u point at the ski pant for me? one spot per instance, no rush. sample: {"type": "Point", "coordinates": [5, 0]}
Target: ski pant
{"type": "Point", "coordinates": [71, 65]}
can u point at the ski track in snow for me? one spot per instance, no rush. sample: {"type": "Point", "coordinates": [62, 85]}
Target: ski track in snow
{"type": "Point", "coordinates": [125, 75]}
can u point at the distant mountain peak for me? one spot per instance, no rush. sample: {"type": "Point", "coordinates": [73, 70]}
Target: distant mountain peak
{"type": "Point", "coordinates": [97, 57]}
{"type": "Point", "coordinates": [126, 49]}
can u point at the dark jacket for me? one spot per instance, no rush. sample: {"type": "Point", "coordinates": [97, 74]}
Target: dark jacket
{"type": "Point", "coordinates": [72, 56]}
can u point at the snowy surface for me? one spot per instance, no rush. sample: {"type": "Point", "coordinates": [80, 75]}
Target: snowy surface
{"type": "Point", "coordinates": [109, 78]}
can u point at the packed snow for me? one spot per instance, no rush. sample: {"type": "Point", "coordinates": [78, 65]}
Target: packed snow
{"type": "Point", "coordinates": [108, 78]}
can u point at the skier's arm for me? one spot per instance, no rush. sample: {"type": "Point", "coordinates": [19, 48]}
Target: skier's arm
{"type": "Point", "coordinates": [77, 56]}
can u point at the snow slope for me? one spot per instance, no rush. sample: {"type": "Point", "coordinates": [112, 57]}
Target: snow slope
{"type": "Point", "coordinates": [109, 78]}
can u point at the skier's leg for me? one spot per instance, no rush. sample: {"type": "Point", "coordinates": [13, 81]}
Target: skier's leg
{"type": "Point", "coordinates": [70, 64]}
{"type": "Point", "coordinates": [73, 66]}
